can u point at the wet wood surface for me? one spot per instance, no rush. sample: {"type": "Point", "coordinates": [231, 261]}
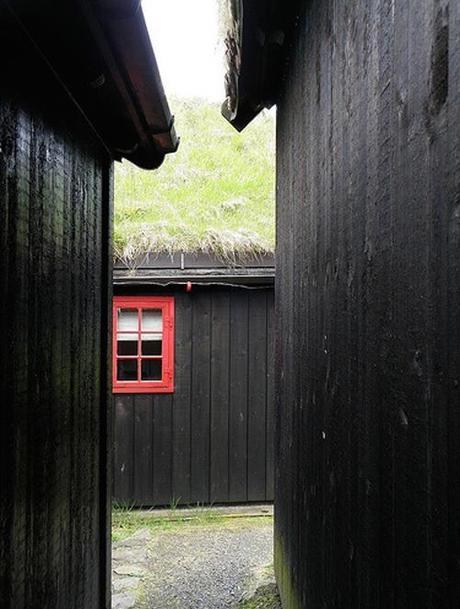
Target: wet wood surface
{"type": "Point", "coordinates": [367, 308]}
{"type": "Point", "coordinates": [55, 199]}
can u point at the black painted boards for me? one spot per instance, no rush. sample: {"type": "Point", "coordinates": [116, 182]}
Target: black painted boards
{"type": "Point", "coordinates": [211, 440]}
{"type": "Point", "coordinates": [367, 350]}
{"type": "Point", "coordinates": [55, 205]}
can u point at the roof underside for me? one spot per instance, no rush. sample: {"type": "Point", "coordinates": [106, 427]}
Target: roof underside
{"type": "Point", "coordinates": [166, 277]}
{"type": "Point", "coordinates": [101, 51]}
{"type": "Point", "coordinates": [256, 49]}
{"type": "Point", "coordinates": [180, 268]}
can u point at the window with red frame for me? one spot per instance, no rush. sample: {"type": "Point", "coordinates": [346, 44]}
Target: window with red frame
{"type": "Point", "coordinates": [143, 344]}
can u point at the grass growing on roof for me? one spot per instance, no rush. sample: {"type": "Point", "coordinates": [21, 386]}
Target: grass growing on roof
{"type": "Point", "coordinates": [215, 194]}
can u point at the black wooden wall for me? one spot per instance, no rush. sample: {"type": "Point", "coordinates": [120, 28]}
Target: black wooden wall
{"type": "Point", "coordinates": [55, 197]}
{"type": "Point", "coordinates": [211, 440]}
{"type": "Point", "coordinates": [368, 309]}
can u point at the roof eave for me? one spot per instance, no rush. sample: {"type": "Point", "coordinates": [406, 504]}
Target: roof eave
{"type": "Point", "coordinates": [256, 48]}
{"type": "Point", "coordinates": [101, 52]}
{"type": "Point", "coordinates": [177, 277]}
{"type": "Point", "coordinates": [124, 25]}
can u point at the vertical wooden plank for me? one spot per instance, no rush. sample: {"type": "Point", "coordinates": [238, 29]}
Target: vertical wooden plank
{"type": "Point", "coordinates": [182, 399]}
{"type": "Point", "coordinates": [123, 470]}
{"type": "Point", "coordinates": [42, 365]}
{"type": "Point", "coordinates": [220, 367]}
{"type": "Point", "coordinates": [270, 439]}
{"type": "Point", "coordinates": [106, 398]}
{"type": "Point", "coordinates": [369, 275]}
{"type": "Point", "coordinates": [77, 403]}
{"type": "Point", "coordinates": [60, 360]}
{"type": "Point", "coordinates": [17, 348]}
{"type": "Point", "coordinates": [451, 259]}
{"type": "Point", "coordinates": [346, 447]}
{"type": "Point", "coordinates": [200, 403]}
{"type": "Point", "coordinates": [380, 234]}
{"type": "Point", "coordinates": [162, 448]}
{"type": "Point", "coordinates": [7, 419]}
{"type": "Point", "coordinates": [143, 457]}
{"type": "Point", "coordinates": [238, 396]}
{"type": "Point", "coordinates": [257, 395]}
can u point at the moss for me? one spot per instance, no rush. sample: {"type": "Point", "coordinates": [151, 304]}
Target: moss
{"type": "Point", "coordinates": [266, 597]}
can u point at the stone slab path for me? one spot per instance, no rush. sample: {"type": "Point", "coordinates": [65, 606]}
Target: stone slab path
{"type": "Point", "coordinates": [130, 563]}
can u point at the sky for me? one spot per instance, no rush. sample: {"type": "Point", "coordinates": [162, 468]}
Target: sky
{"type": "Point", "coordinates": [184, 35]}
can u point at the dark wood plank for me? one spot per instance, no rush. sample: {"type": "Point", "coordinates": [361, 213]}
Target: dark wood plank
{"type": "Point", "coordinates": [270, 436]}
{"type": "Point", "coordinates": [123, 469]}
{"type": "Point", "coordinates": [449, 339]}
{"type": "Point", "coordinates": [408, 402]}
{"type": "Point", "coordinates": [220, 367]}
{"type": "Point", "coordinates": [257, 395]}
{"type": "Point", "coordinates": [238, 404]}
{"type": "Point", "coordinates": [143, 449]}
{"type": "Point", "coordinates": [106, 400]}
{"type": "Point", "coordinates": [162, 449]}
{"type": "Point", "coordinates": [182, 399]}
{"type": "Point", "coordinates": [200, 403]}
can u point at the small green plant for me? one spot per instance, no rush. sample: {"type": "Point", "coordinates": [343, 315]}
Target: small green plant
{"type": "Point", "coordinates": [174, 503]}
{"type": "Point", "coordinates": [123, 520]}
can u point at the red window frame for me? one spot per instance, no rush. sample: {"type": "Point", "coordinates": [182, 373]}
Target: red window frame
{"type": "Point", "coordinates": [166, 384]}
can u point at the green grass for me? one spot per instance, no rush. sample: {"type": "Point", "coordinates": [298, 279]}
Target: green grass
{"type": "Point", "coordinates": [215, 194]}
{"type": "Point", "coordinates": [127, 520]}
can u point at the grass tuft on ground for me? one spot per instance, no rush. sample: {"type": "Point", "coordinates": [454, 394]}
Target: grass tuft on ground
{"type": "Point", "coordinates": [215, 194]}
{"type": "Point", "coordinates": [127, 520]}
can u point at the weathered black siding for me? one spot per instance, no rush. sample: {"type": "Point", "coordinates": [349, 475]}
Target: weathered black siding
{"type": "Point", "coordinates": [211, 440]}
{"type": "Point", "coordinates": [55, 195]}
{"type": "Point", "coordinates": [368, 310]}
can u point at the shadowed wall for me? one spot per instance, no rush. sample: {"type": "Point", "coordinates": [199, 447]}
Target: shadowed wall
{"type": "Point", "coordinates": [367, 308]}
{"type": "Point", "coordinates": [55, 197]}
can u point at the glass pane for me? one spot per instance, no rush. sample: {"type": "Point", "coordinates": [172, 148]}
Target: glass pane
{"type": "Point", "coordinates": [151, 369]}
{"type": "Point", "coordinates": [152, 346]}
{"type": "Point", "coordinates": [127, 369]}
{"type": "Point", "coordinates": [127, 320]}
{"type": "Point", "coordinates": [125, 346]}
{"type": "Point", "coordinates": [152, 326]}
{"type": "Point", "coordinates": [152, 321]}
{"type": "Point", "coordinates": [128, 336]}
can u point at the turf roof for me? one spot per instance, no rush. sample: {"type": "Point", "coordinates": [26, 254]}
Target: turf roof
{"type": "Point", "coordinates": [215, 195]}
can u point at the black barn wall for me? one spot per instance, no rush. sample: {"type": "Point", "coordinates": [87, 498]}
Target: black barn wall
{"type": "Point", "coordinates": [55, 198]}
{"type": "Point", "coordinates": [211, 440]}
{"type": "Point", "coordinates": [367, 308]}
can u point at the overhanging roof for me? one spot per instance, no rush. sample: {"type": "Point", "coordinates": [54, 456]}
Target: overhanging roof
{"type": "Point", "coordinates": [256, 50]}
{"type": "Point", "coordinates": [101, 51]}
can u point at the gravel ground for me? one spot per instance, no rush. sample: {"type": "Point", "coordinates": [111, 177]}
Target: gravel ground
{"type": "Point", "coordinates": [207, 567]}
